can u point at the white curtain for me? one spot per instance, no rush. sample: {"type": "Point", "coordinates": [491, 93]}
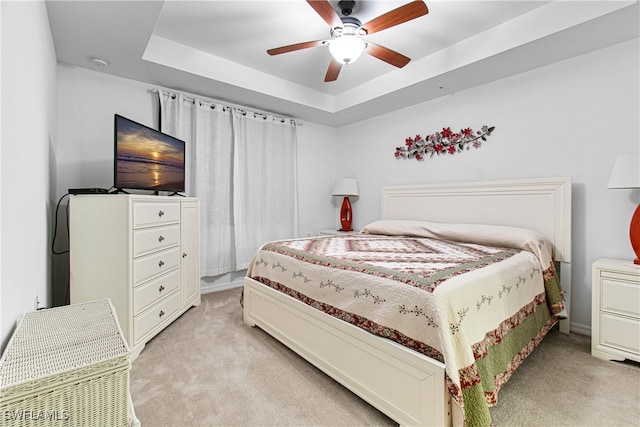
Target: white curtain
{"type": "Point", "coordinates": [242, 166]}
{"type": "Point", "coordinates": [265, 185]}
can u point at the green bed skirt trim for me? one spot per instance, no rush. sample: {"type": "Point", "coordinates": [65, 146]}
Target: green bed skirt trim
{"type": "Point", "coordinates": [500, 362]}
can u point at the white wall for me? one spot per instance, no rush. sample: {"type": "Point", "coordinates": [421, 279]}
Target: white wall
{"type": "Point", "coordinates": [28, 92]}
{"type": "Point", "coordinates": [317, 154]}
{"type": "Point", "coordinates": [568, 119]}
{"type": "Point", "coordinates": [86, 103]}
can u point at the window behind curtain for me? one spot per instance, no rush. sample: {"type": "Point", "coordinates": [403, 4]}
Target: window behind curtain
{"type": "Point", "coordinates": [242, 166]}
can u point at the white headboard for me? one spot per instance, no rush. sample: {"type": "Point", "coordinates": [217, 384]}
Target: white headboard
{"type": "Point", "coordinates": [543, 205]}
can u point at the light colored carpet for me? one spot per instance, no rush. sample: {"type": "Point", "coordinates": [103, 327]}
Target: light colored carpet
{"type": "Point", "coordinates": [209, 369]}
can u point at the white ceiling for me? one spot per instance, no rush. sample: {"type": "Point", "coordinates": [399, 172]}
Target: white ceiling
{"type": "Point", "coordinates": [218, 48]}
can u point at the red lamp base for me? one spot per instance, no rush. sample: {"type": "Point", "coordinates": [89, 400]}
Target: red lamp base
{"type": "Point", "coordinates": [345, 215]}
{"type": "Point", "coordinates": [634, 234]}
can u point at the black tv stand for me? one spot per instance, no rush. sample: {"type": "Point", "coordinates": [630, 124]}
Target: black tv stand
{"type": "Point", "coordinates": [154, 193]}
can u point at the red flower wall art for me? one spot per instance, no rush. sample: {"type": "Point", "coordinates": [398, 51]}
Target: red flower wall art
{"type": "Point", "coordinates": [444, 142]}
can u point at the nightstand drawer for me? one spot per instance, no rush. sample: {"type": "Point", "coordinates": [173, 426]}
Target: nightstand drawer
{"type": "Point", "coordinates": [615, 310]}
{"type": "Point", "coordinates": [620, 332]}
{"type": "Point", "coordinates": [620, 297]}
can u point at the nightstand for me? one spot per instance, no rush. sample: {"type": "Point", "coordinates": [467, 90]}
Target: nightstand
{"type": "Point", "coordinates": [615, 310]}
{"type": "Point", "coordinates": [334, 232]}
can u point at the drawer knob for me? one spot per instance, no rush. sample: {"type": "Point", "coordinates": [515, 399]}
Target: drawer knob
{"type": "Point", "coordinates": [160, 213]}
{"type": "Point", "coordinates": [161, 313]}
{"type": "Point", "coordinates": [184, 254]}
{"type": "Point", "coordinates": [160, 239]}
{"type": "Point", "coordinates": [161, 288]}
{"type": "Point", "coordinates": [161, 263]}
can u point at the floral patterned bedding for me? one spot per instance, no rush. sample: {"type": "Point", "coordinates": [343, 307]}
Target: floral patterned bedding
{"type": "Point", "coordinates": [478, 298]}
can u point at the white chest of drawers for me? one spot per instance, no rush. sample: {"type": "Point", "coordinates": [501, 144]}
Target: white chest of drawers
{"type": "Point", "coordinates": [615, 315]}
{"type": "Point", "coordinates": [140, 251]}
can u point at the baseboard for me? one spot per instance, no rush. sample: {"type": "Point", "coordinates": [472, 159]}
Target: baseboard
{"type": "Point", "coordinates": [217, 287]}
{"type": "Point", "coordinates": [580, 329]}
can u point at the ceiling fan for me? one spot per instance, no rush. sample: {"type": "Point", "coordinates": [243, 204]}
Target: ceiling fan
{"type": "Point", "coordinates": [347, 34]}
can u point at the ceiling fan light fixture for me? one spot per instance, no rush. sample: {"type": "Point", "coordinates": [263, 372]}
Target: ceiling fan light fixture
{"type": "Point", "coordinates": [347, 48]}
{"type": "Point", "coordinates": [348, 34]}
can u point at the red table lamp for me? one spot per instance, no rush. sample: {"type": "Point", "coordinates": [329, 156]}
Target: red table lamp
{"type": "Point", "coordinates": [345, 187]}
{"type": "Point", "coordinates": [626, 174]}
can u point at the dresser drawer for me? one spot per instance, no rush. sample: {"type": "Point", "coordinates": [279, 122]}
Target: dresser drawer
{"type": "Point", "coordinates": [149, 319]}
{"type": "Point", "coordinates": [620, 297]}
{"type": "Point", "coordinates": [152, 291]}
{"type": "Point", "coordinates": [147, 240]}
{"type": "Point", "coordinates": [155, 264]}
{"type": "Point", "coordinates": [620, 332]}
{"type": "Point", "coordinates": [147, 214]}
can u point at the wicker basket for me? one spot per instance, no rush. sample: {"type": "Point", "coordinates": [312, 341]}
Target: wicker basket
{"type": "Point", "coordinates": [66, 366]}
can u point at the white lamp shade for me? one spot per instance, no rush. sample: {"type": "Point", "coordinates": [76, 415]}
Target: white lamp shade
{"type": "Point", "coordinates": [345, 187]}
{"type": "Point", "coordinates": [347, 48]}
{"type": "Point", "coordinates": [626, 172]}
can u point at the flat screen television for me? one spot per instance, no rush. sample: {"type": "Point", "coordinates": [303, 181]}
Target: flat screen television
{"type": "Point", "coordinates": [146, 159]}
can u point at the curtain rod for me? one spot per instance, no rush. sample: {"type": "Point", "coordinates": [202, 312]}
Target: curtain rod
{"type": "Point", "coordinates": [240, 109]}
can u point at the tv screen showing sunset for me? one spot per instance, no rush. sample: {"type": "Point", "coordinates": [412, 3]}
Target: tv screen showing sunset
{"type": "Point", "coordinates": [147, 159]}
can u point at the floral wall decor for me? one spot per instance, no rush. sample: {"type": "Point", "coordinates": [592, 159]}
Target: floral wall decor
{"type": "Point", "coordinates": [444, 142]}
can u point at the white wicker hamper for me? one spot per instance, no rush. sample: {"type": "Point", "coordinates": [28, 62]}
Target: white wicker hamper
{"type": "Point", "coordinates": [66, 366]}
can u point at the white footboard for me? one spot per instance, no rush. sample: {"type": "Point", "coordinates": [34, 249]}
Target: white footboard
{"type": "Point", "coordinates": [405, 385]}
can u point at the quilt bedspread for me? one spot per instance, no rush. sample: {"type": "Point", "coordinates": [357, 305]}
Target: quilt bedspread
{"type": "Point", "coordinates": [477, 307]}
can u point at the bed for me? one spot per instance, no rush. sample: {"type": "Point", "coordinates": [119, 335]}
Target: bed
{"type": "Point", "coordinates": [321, 297]}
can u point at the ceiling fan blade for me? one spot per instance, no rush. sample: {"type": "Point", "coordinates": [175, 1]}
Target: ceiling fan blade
{"type": "Point", "coordinates": [333, 71]}
{"type": "Point", "coordinates": [326, 12]}
{"type": "Point", "coordinates": [405, 13]}
{"type": "Point", "coordinates": [294, 47]}
{"type": "Point", "coordinates": [387, 55]}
